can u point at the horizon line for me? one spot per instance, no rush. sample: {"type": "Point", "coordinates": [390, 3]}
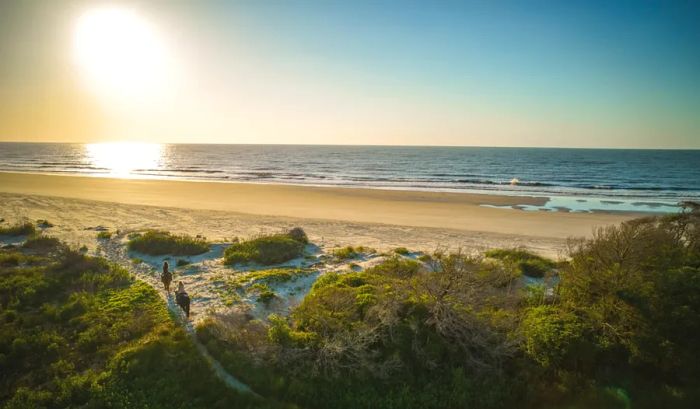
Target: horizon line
{"type": "Point", "coordinates": [364, 145]}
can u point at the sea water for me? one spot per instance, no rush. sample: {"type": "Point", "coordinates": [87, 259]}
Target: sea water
{"type": "Point", "coordinates": [575, 179]}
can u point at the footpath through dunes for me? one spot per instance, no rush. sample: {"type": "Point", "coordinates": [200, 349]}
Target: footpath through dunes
{"type": "Point", "coordinates": [116, 252]}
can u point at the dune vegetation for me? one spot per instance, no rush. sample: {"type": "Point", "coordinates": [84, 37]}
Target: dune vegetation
{"type": "Point", "coordinates": [525, 262]}
{"type": "Point", "coordinates": [19, 229]}
{"type": "Point", "coordinates": [618, 329]}
{"type": "Point", "coordinates": [350, 252]}
{"type": "Point", "coordinates": [157, 243]}
{"type": "Point", "coordinates": [267, 250]}
{"type": "Point", "coordinates": [76, 331]}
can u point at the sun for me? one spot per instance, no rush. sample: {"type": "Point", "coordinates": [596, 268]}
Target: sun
{"type": "Point", "coordinates": [120, 53]}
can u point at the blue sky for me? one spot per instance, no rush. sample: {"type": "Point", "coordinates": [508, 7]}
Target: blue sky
{"type": "Point", "coordinates": [608, 74]}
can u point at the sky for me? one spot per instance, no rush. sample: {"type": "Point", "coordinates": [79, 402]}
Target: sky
{"type": "Point", "coordinates": [613, 74]}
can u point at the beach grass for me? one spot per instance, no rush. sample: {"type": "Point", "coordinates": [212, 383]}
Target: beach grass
{"type": "Point", "coordinates": [350, 252]}
{"type": "Point", "coordinates": [41, 243]}
{"type": "Point", "coordinates": [403, 251]}
{"type": "Point", "coordinates": [157, 242]}
{"type": "Point", "coordinates": [526, 262]}
{"type": "Point", "coordinates": [104, 235]}
{"type": "Point", "coordinates": [265, 250]}
{"type": "Point", "coordinates": [19, 229]}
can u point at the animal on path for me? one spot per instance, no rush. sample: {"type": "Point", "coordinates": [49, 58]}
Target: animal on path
{"type": "Point", "coordinates": [182, 298]}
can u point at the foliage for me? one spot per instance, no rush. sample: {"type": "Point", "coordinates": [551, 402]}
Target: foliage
{"type": "Point", "coordinates": [156, 243]}
{"type": "Point", "coordinates": [181, 262]}
{"type": "Point", "coordinates": [263, 291]}
{"type": "Point", "coordinates": [619, 330]}
{"type": "Point", "coordinates": [402, 251]}
{"type": "Point", "coordinates": [265, 250]}
{"type": "Point", "coordinates": [42, 243]}
{"type": "Point", "coordinates": [19, 229]}
{"type": "Point", "coordinates": [397, 267]}
{"type": "Point", "coordinates": [104, 235]}
{"type": "Point", "coordinates": [550, 334]}
{"type": "Point", "coordinates": [345, 253]}
{"type": "Point", "coordinates": [524, 261]}
{"type": "Point", "coordinates": [298, 234]}
{"type": "Point", "coordinates": [425, 258]}
{"type": "Point", "coordinates": [78, 332]}
{"type": "Point", "coordinates": [350, 252]}
{"type": "Point", "coordinates": [391, 336]}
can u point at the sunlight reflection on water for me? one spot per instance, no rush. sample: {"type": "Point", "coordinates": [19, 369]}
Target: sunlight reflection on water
{"type": "Point", "coordinates": [121, 159]}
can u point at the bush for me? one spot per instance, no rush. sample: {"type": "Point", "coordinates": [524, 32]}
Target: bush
{"type": "Point", "coordinates": [19, 229]}
{"type": "Point", "coordinates": [395, 267]}
{"type": "Point", "coordinates": [157, 243]}
{"type": "Point", "coordinates": [402, 251]}
{"type": "Point", "coordinates": [264, 250]}
{"type": "Point", "coordinates": [41, 243]}
{"type": "Point", "coordinates": [104, 235]}
{"type": "Point", "coordinates": [345, 253]}
{"type": "Point", "coordinates": [550, 334]}
{"type": "Point", "coordinates": [524, 261]}
{"type": "Point", "coordinates": [298, 234]}
{"type": "Point", "coordinates": [181, 262]}
{"type": "Point", "coordinates": [425, 258]}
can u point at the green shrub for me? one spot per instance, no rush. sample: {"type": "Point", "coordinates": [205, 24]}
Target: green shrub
{"type": "Point", "coordinates": [550, 334]}
{"type": "Point", "coordinates": [10, 259]}
{"type": "Point", "coordinates": [280, 333]}
{"type": "Point", "coordinates": [104, 235]}
{"type": "Point", "coordinates": [345, 253]}
{"type": "Point", "coordinates": [156, 243]}
{"type": "Point", "coordinates": [181, 262]}
{"type": "Point", "coordinates": [396, 266]}
{"type": "Point", "coordinates": [41, 243]}
{"type": "Point", "coordinates": [524, 261]}
{"type": "Point", "coordinates": [298, 234]}
{"type": "Point", "coordinates": [19, 229]}
{"type": "Point", "coordinates": [264, 292]}
{"type": "Point", "coordinates": [264, 250]}
{"type": "Point", "coordinates": [402, 251]}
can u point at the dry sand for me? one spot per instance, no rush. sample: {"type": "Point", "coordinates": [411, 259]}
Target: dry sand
{"type": "Point", "coordinates": [331, 216]}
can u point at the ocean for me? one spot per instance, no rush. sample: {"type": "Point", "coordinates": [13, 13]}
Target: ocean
{"type": "Point", "coordinates": [579, 179]}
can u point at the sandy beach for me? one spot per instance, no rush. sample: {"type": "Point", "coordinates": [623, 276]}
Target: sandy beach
{"type": "Point", "coordinates": [332, 216]}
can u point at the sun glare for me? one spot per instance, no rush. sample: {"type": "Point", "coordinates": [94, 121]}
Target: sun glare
{"type": "Point", "coordinates": [121, 159]}
{"type": "Point", "coordinates": [120, 53]}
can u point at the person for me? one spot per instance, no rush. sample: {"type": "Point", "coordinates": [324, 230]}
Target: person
{"type": "Point", "coordinates": [182, 298]}
{"type": "Point", "coordinates": [166, 277]}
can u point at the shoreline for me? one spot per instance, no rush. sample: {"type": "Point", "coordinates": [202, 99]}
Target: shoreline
{"type": "Point", "coordinates": [524, 195]}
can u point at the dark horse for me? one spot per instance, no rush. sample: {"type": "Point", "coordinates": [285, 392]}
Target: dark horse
{"type": "Point", "coordinates": [183, 300]}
